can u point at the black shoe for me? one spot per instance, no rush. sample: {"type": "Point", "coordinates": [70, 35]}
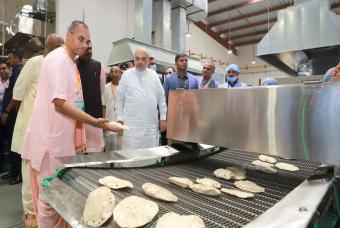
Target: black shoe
{"type": "Point", "coordinates": [17, 180]}
{"type": "Point", "coordinates": [9, 175]}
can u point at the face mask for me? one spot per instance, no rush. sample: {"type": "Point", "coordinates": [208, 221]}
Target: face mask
{"type": "Point", "coordinates": [153, 67]}
{"type": "Point", "coordinates": [231, 78]}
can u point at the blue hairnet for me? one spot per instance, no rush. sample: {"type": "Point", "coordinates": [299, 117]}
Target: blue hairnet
{"type": "Point", "coordinates": [233, 67]}
{"type": "Point", "coordinates": [328, 76]}
{"type": "Point", "coordinates": [270, 81]}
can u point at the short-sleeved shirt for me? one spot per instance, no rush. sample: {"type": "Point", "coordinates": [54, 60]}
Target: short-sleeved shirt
{"type": "Point", "coordinates": [25, 90]}
{"type": "Point", "coordinates": [49, 131]}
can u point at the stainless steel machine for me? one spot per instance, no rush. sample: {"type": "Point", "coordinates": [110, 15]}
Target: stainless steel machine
{"type": "Point", "coordinates": [297, 124]}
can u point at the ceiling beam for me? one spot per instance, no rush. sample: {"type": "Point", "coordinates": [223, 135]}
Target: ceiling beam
{"type": "Point", "coordinates": [236, 6]}
{"type": "Point", "coordinates": [215, 36]}
{"type": "Point", "coordinates": [335, 5]}
{"type": "Point", "coordinates": [273, 9]}
{"type": "Point", "coordinates": [245, 16]}
{"type": "Point", "coordinates": [264, 22]}
{"type": "Point", "coordinates": [233, 38]}
{"type": "Point", "coordinates": [247, 42]}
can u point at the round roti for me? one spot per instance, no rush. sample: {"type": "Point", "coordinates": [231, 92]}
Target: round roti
{"type": "Point", "coordinates": [231, 173]}
{"type": "Point", "coordinates": [172, 220]}
{"type": "Point", "coordinates": [115, 183]}
{"type": "Point", "coordinates": [249, 186]}
{"type": "Point", "coordinates": [181, 181]}
{"type": "Point", "coordinates": [158, 192]}
{"type": "Point", "coordinates": [205, 189]}
{"type": "Point", "coordinates": [286, 166]}
{"type": "Point", "coordinates": [209, 182]}
{"type": "Point", "coordinates": [99, 206]}
{"type": "Point", "coordinates": [264, 166]}
{"type": "Point", "coordinates": [134, 211]}
{"type": "Point", "coordinates": [266, 158]}
{"type": "Point", "coordinates": [119, 125]}
{"type": "Point", "coordinates": [240, 194]}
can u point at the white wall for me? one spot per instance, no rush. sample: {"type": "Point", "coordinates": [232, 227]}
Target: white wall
{"type": "Point", "coordinates": [108, 20]}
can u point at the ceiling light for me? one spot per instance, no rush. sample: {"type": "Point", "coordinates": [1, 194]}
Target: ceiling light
{"type": "Point", "coordinates": [188, 34]}
{"type": "Point", "coordinates": [253, 62]}
{"type": "Point", "coordinates": [230, 52]}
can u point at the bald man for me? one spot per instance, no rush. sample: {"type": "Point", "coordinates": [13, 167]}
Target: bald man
{"type": "Point", "coordinates": [56, 128]}
{"type": "Point", "coordinates": [24, 94]}
{"type": "Point", "coordinates": [138, 95]}
{"type": "Point", "coordinates": [112, 140]}
{"type": "Point", "coordinates": [109, 98]}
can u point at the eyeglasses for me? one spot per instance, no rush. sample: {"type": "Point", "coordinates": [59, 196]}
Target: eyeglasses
{"type": "Point", "coordinates": [232, 72]}
{"type": "Point", "coordinates": [82, 39]}
{"type": "Point", "coordinates": [206, 68]}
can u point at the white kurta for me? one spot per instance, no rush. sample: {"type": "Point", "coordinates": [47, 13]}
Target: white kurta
{"type": "Point", "coordinates": [138, 95]}
{"type": "Point", "coordinates": [109, 101]}
{"type": "Point", "coordinates": [25, 90]}
{"type": "Point", "coordinates": [112, 139]}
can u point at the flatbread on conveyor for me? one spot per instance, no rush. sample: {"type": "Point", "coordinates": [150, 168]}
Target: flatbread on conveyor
{"type": "Point", "coordinates": [286, 166]}
{"type": "Point", "coordinates": [266, 158]}
{"type": "Point", "coordinates": [181, 181]}
{"type": "Point", "coordinates": [264, 166]}
{"type": "Point", "coordinates": [205, 189]}
{"type": "Point", "coordinates": [240, 194]}
{"type": "Point", "coordinates": [158, 192]}
{"type": "Point", "coordinates": [173, 220]}
{"type": "Point", "coordinates": [119, 125]}
{"type": "Point", "coordinates": [115, 183]}
{"type": "Point", "coordinates": [134, 211]}
{"type": "Point", "coordinates": [209, 182]}
{"type": "Point", "coordinates": [99, 206]}
{"type": "Point", "coordinates": [236, 173]}
{"type": "Point", "coordinates": [249, 186]}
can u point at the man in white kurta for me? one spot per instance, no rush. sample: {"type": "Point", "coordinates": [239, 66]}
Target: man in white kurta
{"type": "Point", "coordinates": [112, 139]}
{"type": "Point", "coordinates": [25, 91]}
{"type": "Point", "coordinates": [138, 95]}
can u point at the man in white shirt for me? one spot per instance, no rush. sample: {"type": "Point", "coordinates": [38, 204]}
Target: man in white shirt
{"type": "Point", "coordinates": [112, 139]}
{"type": "Point", "coordinates": [110, 93]}
{"type": "Point", "coordinates": [138, 95]}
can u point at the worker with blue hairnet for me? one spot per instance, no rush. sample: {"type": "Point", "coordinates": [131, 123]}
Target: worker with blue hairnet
{"type": "Point", "coordinates": [232, 77]}
{"type": "Point", "coordinates": [269, 82]}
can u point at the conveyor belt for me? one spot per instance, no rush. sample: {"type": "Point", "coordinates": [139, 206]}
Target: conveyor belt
{"type": "Point", "coordinates": [220, 211]}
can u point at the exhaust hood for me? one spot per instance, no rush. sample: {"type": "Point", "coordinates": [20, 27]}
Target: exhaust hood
{"type": "Point", "coordinates": [30, 26]}
{"type": "Point", "coordinates": [124, 50]}
{"type": "Point", "coordinates": [305, 39]}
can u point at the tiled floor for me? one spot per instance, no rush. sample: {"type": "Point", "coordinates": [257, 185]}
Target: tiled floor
{"type": "Point", "coordinates": [11, 208]}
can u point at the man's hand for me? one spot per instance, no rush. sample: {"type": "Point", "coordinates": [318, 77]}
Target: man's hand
{"type": "Point", "coordinates": [4, 118]}
{"type": "Point", "coordinates": [162, 125]}
{"type": "Point", "coordinates": [336, 73]}
{"type": "Point", "coordinates": [104, 124]}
